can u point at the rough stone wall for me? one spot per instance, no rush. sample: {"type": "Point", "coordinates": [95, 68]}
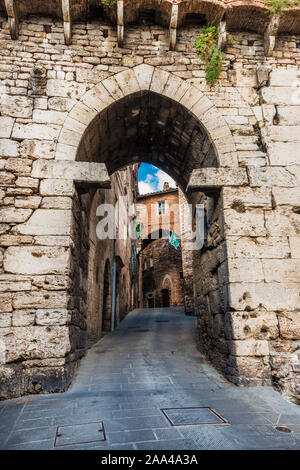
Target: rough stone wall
{"type": "Point", "coordinates": [162, 265]}
{"type": "Point", "coordinates": [42, 79]}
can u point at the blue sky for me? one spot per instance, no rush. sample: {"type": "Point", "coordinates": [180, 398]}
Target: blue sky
{"type": "Point", "coordinates": [152, 179]}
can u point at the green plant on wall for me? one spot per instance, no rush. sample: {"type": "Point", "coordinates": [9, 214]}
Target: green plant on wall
{"type": "Point", "coordinates": [109, 3]}
{"type": "Point", "coordinates": [206, 47]}
{"type": "Point", "coordinates": [276, 7]}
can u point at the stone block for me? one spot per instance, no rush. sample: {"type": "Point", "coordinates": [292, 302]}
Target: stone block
{"type": "Point", "coordinates": [159, 80]}
{"type": "Point", "coordinates": [295, 246]}
{"type": "Point", "coordinates": [282, 222]}
{"type": "Point", "coordinates": [288, 115]}
{"type": "Point", "coordinates": [5, 321]}
{"type": "Point", "coordinates": [269, 177]}
{"type": "Point", "coordinates": [249, 223]}
{"type": "Point", "coordinates": [249, 347]}
{"type": "Point", "coordinates": [51, 317]}
{"type": "Point", "coordinates": [31, 202]}
{"type": "Point", "coordinates": [37, 149]}
{"type": "Point", "coordinates": [259, 247]}
{"type": "Point", "coordinates": [242, 269]}
{"type": "Point", "coordinates": [9, 148]}
{"type": "Point", "coordinates": [58, 202]}
{"type": "Point", "coordinates": [97, 98]}
{"type": "Point", "coordinates": [289, 325]}
{"type": "Point", "coordinates": [40, 299]}
{"type": "Point", "coordinates": [284, 96]}
{"type": "Point", "coordinates": [5, 303]}
{"type": "Point", "coordinates": [16, 106]}
{"type": "Point", "coordinates": [48, 117]}
{"type": "Point", "coordinates": [83, 113]}
{"type": "Point", "coordinates": [246, 325]}
{"type": "Point", "coordinates": [284, 78]}
{"type": "Point", "coordinates": [205, 178]}
{"type": "Point", "coordinates": [27, 182]}
{"type": "Point", "coordinates": [144, 75]}
{"type": "Point", "coordinates": [127, 81]}
{"type": "Point", "coordinates": [23, 318]}
{"type": "Point", "coordinates": [57, 187]}
{"type": "Point", "coordinates": [6, 125]}
{"type": "Point", "coordinates": [246, 197]}
{"type": "Point", "coordinates": [286, 196]}
{"type": "Point", "coordinates": [47, 222]}
{"type": "Point", "coordinates": [14, 240]}
{"type": "Point", "coordinates": [281, 270]}
{"type": "Point", "coordinates": [65, 89]}
{"type": "Point", "coordinates": [36, 260]}
{"type": "Point", "coordinates": [35, 131]}
{"type": "Point", "coordinates": [91, 76]}
{"type": "Point", "coordinates": [14, 285]}
{"type": "Point", "coordinates": [284, 133]}
{"type": "Point", "coordinates": [272, 296]}
{"type": "Point", "coordinates": [35, 342]}
{"type": "Point", "coordinates": [12, 215]}
{"type": "Point", "coordinates": [77, 171]}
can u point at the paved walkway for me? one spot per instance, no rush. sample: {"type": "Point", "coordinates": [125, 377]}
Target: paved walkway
{"type": "Point", "coordinates": [150, 363]}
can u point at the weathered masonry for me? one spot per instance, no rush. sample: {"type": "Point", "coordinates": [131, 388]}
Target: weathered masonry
{"type": "Point", "coordinates": [86, 91]}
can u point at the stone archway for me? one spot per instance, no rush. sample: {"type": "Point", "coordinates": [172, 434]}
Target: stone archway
{"type": "Point", "coordinates": [144, 78]}
{"type": "Point", "coordinates": [169, 114]}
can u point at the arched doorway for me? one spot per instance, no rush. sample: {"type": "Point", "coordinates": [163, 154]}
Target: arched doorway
{"type": "Point", "coordinates": [148, 115]}
{"type": "Point", "coordinates": [165, 298]}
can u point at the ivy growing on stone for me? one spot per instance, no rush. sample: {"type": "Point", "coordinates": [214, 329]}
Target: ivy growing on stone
{"type": "Point", "coordinates": [206, 47]}
{"type": "Point", "coordinates": [109, 3]}
{"type": "Point", "coordinates": [276, 7]}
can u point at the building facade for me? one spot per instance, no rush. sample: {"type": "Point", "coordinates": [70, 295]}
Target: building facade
{"type": "Point", "coordinates": [160, 263]}
{"type": "Point", "coordinates": [86, 91]}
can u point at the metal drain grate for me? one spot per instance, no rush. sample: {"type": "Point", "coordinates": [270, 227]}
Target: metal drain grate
{"type": "Point", "coordinates": [193, 416]}
{"type": "Point", "coordinates": [84, 433]}
{"type": "Point", "coordinates": [162, 321]}
{"type": "Point", "coordinates": [142, 331]}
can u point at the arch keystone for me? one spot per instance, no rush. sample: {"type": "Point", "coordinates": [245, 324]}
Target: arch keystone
{"type": "Point", "coordinates": [144, 73]}
{"type": "Point", "coordinates": [127, 81]}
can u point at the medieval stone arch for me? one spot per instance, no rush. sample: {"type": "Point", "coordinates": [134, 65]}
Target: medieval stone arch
{"type": "Point", "coordinates": [145, 78]}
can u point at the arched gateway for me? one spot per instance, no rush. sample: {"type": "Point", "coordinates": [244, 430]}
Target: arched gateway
{"type": "Point", "coordinates": [148, 114]}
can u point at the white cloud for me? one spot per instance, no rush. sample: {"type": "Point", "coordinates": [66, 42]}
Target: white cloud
{"type": "Point", "coordinates": [164, 178]}
{"type": "Point", "coordinates": [145, 188]}
{"type": "Point", "coordinates": [155, 181]}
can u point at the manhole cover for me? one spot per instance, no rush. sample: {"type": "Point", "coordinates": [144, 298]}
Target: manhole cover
{"type": "Point", "coordinates": [85, 433]}
{"type": "Point", "coordinates": [192, 416]}
{"type": "Point", "coordinates": [283, 429]}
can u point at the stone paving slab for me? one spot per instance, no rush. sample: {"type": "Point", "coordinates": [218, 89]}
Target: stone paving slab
{"type": "Point", "coordinates": [126, 380]}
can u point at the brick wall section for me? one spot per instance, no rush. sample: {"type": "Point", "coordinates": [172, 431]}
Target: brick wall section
{"type": "Point", "coordinates": [165, 273]}
{"type": "Point", "coordinates": [259, 282]}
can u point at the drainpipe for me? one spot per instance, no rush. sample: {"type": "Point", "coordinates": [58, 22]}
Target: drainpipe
{"type": "Point", "coordinates": [113, 300]}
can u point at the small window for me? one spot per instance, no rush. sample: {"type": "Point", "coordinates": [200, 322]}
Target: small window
{"type": "Point", "coordinates": [151, 262]}
{"type": "Point", "coordinates": [161, 208]}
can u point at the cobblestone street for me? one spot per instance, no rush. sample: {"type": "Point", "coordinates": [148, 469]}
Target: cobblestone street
{"type": "Point", "coordinates": [148, 364]}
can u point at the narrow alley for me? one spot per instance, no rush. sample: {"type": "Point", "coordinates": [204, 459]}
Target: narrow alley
{"type": "Point", "coordinates": [146, 386]}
